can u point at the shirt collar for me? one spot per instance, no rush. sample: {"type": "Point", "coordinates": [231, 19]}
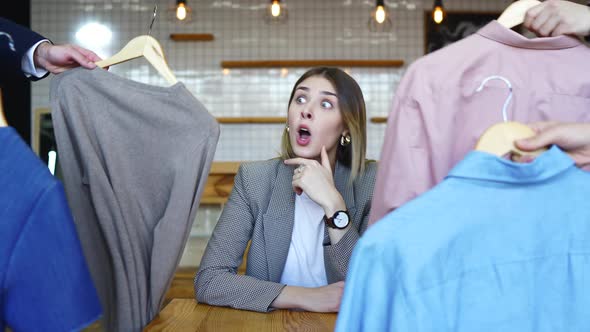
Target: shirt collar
{"type": "Point", "coordinates": [497, 32]}
{"type": "Point", "coordinates": [484, 166]}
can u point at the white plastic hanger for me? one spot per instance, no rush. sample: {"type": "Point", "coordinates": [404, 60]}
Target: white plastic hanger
{"type": "Point", "coordinates": [499, 138]}
{"type": "Point", "coordinates": [514, 14]}
{"type": "Point", "coordinates": [3, 122]}
{"type": "Point", "coordinates": [143, 46]}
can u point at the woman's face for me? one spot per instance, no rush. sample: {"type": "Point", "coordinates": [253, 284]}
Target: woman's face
{"type": "Point", "coordinates": [315, 119]}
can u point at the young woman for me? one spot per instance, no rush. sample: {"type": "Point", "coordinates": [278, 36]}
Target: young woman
{"type": "Point", "coordinates": [302, 213]}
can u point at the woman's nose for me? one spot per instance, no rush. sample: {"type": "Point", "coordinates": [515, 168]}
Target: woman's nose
{"type": "Point", "coordinates": [306, 114]}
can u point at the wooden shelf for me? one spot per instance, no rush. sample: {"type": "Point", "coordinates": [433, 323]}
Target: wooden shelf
{"type": "Point", "coordinates": [251, 119]}
{"type": "Point", "coordinates": [379, 119]}
{"type": "Point", "coordinates": [219, 182]}
{"type": "Point", "coordinates": [192, 36]}
{"type": "Point", "coordinates": [311, 63]}
{"type": "Point", "coordinates": [274, 120]}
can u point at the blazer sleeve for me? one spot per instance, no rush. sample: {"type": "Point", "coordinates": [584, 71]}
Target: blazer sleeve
{"type": "Point", "coordinates": [217, 281]}
{"type": "Point", "coordinates": [15, 41]}
{"type": "Point", "coordinates": [337, 256]}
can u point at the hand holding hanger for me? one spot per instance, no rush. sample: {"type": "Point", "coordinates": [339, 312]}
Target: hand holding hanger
{"type": "Point", "coordinates": [573, 138]}
{"type": "Point", "coordinates": [514, 14]}
{"type": "Point", "coordinates": [59, 58]}
{"type": "Point", "coordinates": [499, 139]}
{"type": "Point", "coordinates": [556, 17]}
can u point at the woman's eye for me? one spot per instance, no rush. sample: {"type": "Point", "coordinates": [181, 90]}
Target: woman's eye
{"type": "Point", "coordinates": [300, 100]}
{"type": "Point", "coordinates": [326, 104]}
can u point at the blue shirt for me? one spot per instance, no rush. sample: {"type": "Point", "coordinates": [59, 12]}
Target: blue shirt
{"type": "Point", "coordinates": [496, 246]}
{"type": "Point", "coordinates": [45, 284]}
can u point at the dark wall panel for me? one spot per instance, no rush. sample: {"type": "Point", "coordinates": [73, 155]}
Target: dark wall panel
{"type": "Point", "coordinates": [17, 94]}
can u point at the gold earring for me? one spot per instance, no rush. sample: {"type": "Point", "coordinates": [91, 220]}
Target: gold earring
{"type": "Point", "coordinates": [345, 140]}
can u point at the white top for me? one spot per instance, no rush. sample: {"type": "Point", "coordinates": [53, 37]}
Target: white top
{"type": "Point", "coordinates": [305, 261]}
{"type": "Point", "coordinates": [28, 64]}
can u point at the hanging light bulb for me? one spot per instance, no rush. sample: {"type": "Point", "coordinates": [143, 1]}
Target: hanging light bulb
{"type": "Point", "coordinates": [182, 12]}
{"type": "Point", "coordinates": [275, 12]}
{"type": "Point", "coordinates": [380, 20]}
{"type": "Point", "coordinates": [438, 12]}
{"type": "Point", "coordinates": [275, 9]}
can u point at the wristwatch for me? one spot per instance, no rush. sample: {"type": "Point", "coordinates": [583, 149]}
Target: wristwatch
{"type": "Point", "coordinates": [339, 220]}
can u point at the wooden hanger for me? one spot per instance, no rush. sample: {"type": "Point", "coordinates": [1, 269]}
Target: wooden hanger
{"type": "Point", "coordinates": [499, 138]}
{"type": "Point", "coordinates": [143, 46]}
{"type": "Point", "coordinates": [3, 122]}
{"type": "Point", "coordinates": [514, 14]}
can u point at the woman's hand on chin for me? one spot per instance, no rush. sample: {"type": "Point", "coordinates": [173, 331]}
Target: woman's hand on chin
{"type": "Point", "coordinates": [316, 180]}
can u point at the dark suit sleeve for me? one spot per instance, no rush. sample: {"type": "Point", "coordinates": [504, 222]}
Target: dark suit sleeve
{"type": "Point", "coordinates": [15, 41]}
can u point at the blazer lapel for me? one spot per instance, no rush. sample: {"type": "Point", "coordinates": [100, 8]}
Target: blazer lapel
{"type": "Point", "coordinates": [341, 175]}
{"type": "Point", "coordinates": [278, 222]}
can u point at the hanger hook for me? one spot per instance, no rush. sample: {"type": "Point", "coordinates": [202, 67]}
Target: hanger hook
{"type": "Point", "coordinates": [505, 107]}
{"type": "Point", "coordinates": [153, 19]}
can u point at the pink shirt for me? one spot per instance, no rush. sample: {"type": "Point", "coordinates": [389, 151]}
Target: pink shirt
{"type": "Point", "coordinates": [437, 116]}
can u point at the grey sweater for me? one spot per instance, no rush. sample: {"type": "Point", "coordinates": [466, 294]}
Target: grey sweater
{"type": "Point", "coordinates": [135, 159]}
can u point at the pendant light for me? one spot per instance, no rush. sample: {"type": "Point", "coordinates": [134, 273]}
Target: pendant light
{"type": "Point", "coordinates": [182, 11]}
{"type": "Point", "coordinates": [438, 12]}
{"type": "Point", "coordinates": [275, 12]}
{"type": "Point", "coordinates": [380, 20]}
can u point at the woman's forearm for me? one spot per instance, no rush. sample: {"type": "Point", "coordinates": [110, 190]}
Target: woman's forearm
{"type": "Point", "coordinates": [291, 297]}
{"type": "Point", "coordinates": [335, 203]}
{"type": "Point", "coordinates": [319, 299]}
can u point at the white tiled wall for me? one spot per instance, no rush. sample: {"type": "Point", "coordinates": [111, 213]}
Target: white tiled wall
{"type": "Point", "coordinates": [315, 29]}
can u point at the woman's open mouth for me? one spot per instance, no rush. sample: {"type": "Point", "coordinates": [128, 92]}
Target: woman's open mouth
{"type": "Point", "coordinates": [303, 136]}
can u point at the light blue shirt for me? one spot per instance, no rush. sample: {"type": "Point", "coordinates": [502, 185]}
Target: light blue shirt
{"type": "Point", "coordinates": [496, 246]}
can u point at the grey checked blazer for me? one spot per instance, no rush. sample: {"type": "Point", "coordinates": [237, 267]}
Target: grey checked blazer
{"type": "Point", "coordinates": [261, 209]}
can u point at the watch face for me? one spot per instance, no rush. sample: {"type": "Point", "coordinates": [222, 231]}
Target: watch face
{"type": "Point", "coordinates": [341, 220]}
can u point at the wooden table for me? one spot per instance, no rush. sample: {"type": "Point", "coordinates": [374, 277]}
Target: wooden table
{"type": "Point", "coordinates": [188, 315]}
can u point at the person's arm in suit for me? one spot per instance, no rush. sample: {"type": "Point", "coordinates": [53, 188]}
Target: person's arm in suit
{"type": "Point", "coordinates": [337, 255]}
{"type": "Point", "coordinates": [337, 252]}
{"type": "Point", "coordinates": [25, 52]}
{"type": "Point", "coordinates": [15, 41]}
{"type": "Point", "coordinates": [316, 179]}
{"type": "Point", "coordinates": [217, 281]}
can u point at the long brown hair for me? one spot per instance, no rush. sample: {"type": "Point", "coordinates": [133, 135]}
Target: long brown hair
{"type": "Point", "coordinates": [352, 107]}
